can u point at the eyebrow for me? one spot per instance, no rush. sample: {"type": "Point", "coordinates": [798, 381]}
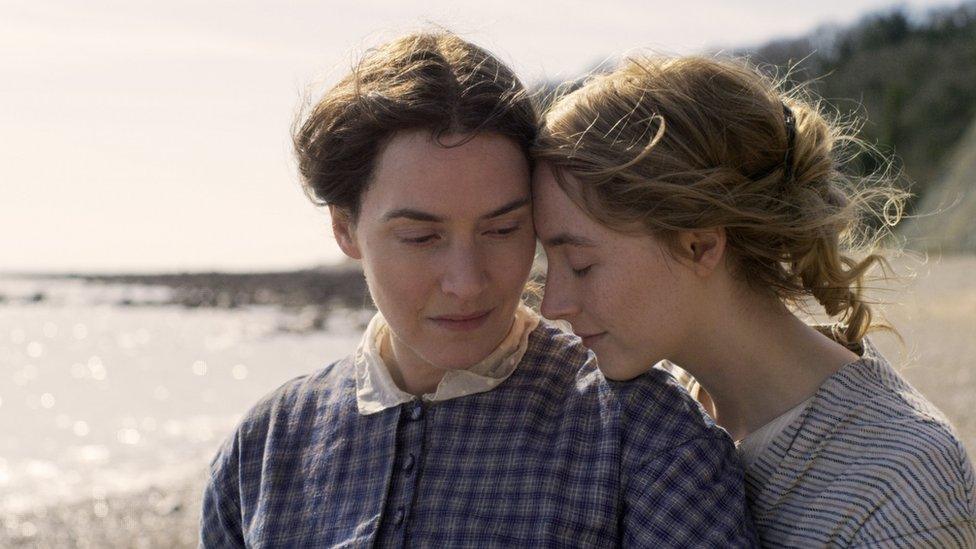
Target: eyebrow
{"type": "Point", "coordinates": [566, 239]}
{"type": "Point", "coordinates": [419, 215]}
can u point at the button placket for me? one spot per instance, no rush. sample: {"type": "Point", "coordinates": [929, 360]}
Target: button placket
{"type": "Point", "coordinates": [395, 527]}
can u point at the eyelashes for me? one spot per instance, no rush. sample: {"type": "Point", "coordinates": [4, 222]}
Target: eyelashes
{"type": "Point", "coordinates": [430, 238]}
{"type": "Point", "coordinates": [580, 273]}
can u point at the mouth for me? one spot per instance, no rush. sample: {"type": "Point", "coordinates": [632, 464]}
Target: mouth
{"type": "Point", "coordinates": [462, 322]}
{"type": "Point", "coordinates": [590, 339]}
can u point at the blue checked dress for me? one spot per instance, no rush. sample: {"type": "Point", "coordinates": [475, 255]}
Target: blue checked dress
{"type": "Point", "coordinates": [556, 456]}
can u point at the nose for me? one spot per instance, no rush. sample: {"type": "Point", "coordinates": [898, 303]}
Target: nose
{"type": "Point", "coordinates": [465, 275]}
{"type": "Point", "coordinates": [558, 302]}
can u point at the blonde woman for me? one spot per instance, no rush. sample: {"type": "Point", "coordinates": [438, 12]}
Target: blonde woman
{"type": "Point", "coordinates": [686, 206]}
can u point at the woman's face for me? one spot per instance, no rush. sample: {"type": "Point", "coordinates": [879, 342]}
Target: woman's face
{"type": "Point", "coordinates": [623, 293]}
{"type": "Point", "coordinates": [446, 240]}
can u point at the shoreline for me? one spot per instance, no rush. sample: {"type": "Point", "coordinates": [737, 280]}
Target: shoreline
{"type": "Point", "coordinates": [342, 286]}
{"type": "Point", "coordinates": [156, 516]}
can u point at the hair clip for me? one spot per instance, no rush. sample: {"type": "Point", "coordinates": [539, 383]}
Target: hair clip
{"type": "Point", "coordinates": [790, 139]}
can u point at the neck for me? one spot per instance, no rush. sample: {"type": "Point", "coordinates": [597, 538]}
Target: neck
{"type": "Point", "coordinates": [758, 361]}
{"type": "Point", "coordinates": [411, 373]}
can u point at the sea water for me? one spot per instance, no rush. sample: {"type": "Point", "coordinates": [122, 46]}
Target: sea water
{"type": "Point", "coordinates": [98, 398]}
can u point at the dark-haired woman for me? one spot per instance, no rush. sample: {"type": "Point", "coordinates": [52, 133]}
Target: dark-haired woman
{"type": "Point", "coordinates": [686, 206]}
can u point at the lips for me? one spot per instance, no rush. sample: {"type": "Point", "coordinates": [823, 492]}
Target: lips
{"type": "Point", "coordinates": [590, 339]}
{"type": "Point", "coordinates": [462, 322]}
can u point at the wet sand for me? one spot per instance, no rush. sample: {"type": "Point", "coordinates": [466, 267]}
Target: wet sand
{"type": "Point", "coordinates": [935, 313]}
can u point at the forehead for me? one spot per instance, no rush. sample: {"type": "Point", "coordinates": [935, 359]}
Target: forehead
{"type": "Point", "coordinates": [415, 171]}
{"type": "Point", "coordinates": [553, 210]}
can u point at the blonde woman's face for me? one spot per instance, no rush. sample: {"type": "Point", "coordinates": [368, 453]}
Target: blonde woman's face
{"type": "Point", "coordinates": [622, 293]}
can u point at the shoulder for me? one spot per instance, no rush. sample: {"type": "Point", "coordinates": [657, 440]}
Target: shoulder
{"type": "Point", "coordinates": [655, 411]}
{"type": "Point", "coordinates": [909, 464]}
{"type": "Point", "coordinates": [557, 359]}
{"type": "Point", "coordinates": [869, 433]}
{"type": "Point", "coordinates": [293, 401]}
{"type": "Point", "coordinates": [288, 413]}
{"type": "Point", "coordinates": [550, 348]}
{"type": "Point", "coordinates": [871, 413]}
{"type": "Point", "coordinates": [659, 415]}
{"type": "Point", "coordinates": [915, 479]}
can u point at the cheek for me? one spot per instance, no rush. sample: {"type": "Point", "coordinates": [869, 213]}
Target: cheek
{"type": "Point", "coordinates": [510, 263]}
{"type": "Point", "coordinates": [640, 299]}
{"type": "Point", "coordinates": [399, 285]}
{"type": "Point", "coordinates": [657, 312]}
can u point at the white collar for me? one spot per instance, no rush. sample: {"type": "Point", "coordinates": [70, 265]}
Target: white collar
{"type": "Point", "coordinates": [376, 390]}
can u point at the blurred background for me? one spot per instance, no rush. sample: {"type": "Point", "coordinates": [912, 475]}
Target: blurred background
{"type": "Point", "coordinates": [161, 269]}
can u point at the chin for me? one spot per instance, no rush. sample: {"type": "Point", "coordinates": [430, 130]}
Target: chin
{"type": "Point", "coordinates": [455, 356]}
{"type": "Point", "coordinates": [617, 370]}
{"type": "Point", "coordinates": [619, 376]}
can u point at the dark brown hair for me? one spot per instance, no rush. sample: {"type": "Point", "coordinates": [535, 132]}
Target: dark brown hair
{"type": "Point", "coordinates": [675, 144]}
{"type": "Point", "coordinates": [431, 80]}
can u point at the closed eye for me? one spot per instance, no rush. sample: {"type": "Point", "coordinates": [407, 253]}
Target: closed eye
{"type": "Point", "coordinates": [419, 239]}
{"type": "Point", "coordinates": [504, 231]}
{"type": "Point", "coordinates": [579, 273]}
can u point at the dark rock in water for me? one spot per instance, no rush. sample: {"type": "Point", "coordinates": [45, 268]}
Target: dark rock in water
{"type": "Point", "coordinates": [326, 289]}
{"type": "Point", "coordinates": [169, 505]}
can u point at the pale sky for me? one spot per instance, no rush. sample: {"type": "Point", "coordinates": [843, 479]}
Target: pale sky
{"type": "Point", "coordinates": [144, 135]}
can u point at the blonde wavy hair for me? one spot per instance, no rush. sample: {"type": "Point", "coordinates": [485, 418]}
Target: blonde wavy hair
{"type": "Point", "coordinates": [674, 144]}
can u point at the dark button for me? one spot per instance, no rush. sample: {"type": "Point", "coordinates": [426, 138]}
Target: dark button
{"type": "Point", "coordinates": [398, 518]}
{"type": "Point", "coordinates": [417, 411]}
{"type": "Point", "coordinates": [408, 463]}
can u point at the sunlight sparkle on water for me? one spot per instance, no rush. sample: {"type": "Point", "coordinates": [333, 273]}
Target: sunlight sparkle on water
{"type": "Point", "coordinates": [161, 393]}
{"type": "Point", "coordinates": [129, 436]}
{"type": "Point", "coordinates": [100, 509]}
{"type": "Point", "coordinates": [81, 428]}
{"type": "Point", "coordinates": [180, 381]}
{"type": "Point", "coordinates": [96, 368]}
{"type": "Point", "coordinates": [28, 530]}
{"type": "Point", "coordinates": [35, 349]}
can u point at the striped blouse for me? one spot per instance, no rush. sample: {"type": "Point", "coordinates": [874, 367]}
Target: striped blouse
{"type": "Point", "coordinates": [869, 462]}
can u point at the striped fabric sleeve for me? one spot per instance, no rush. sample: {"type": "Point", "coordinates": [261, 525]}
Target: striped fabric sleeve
{"type": "Point", "coordinates": [928, 493]}
{"type": "Point", "coordinates": [954, 536]}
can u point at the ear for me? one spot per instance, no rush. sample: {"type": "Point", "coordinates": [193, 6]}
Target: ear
{"type": "Point", "coordinates": [705, 249]}
{"type": "Point", "coordinates": [345, 232]}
